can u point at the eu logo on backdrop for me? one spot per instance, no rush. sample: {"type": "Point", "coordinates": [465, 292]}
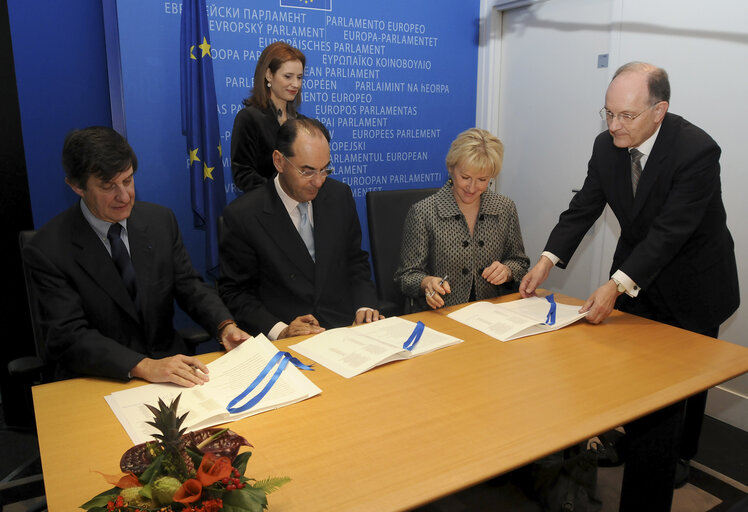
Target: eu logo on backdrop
{"type": "Point", "coordinates": [319, 5]}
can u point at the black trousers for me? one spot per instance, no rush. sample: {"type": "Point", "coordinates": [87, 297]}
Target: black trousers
{"type": "Point", "coordinates": [656, 441]}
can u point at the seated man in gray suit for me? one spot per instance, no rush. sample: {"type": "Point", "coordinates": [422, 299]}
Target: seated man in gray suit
{"type": "Point", "coordinates": [109, 269]}
{"type": "Point", "coordinates": [291, 257]}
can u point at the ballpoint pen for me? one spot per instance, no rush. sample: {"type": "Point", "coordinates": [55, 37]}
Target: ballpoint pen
{"type": "Point", "coordinates": [443, 279]}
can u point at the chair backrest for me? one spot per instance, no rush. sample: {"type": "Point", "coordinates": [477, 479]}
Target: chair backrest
{"type": "Point", "coordinates": [386, 211]}
{"type": "Point", "coordinates": [24, 237]}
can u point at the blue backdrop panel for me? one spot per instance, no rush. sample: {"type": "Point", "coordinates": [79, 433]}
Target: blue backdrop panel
{"type": "Point", "coordinates": [394, 83]}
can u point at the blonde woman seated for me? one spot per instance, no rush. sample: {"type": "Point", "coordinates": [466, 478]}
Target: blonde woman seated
{"type": "Point", "coordinates": [463, 243]}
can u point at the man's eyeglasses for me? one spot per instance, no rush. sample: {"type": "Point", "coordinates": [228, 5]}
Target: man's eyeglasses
{"type": "Point", "coordinates": [308, 173]}
{"type": "Point", "coordinates": [607, 115]}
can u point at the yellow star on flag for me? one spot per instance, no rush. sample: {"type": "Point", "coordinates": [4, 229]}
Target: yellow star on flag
{"type": "Point", "coordinates": [205, 47]}
{"type": "Point", "coordinates": [193, 155]}
{"type": "Point", "coordinates": [207, 171]}
{"type": "Point", "coordinates": [192, 55]}
{"type": "Point", "coordinates": [220, 151]}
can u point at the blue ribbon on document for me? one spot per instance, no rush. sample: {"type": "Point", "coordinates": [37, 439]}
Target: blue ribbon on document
{"type": "Point", "coordinates": [281, 359]}
{"type": "Point", "coordinates": [550, 319]}
{"type": "Point", "coordinates": [410, 343]}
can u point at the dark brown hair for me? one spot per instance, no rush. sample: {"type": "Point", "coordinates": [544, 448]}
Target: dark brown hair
{"type": "Point", "coordinates": [272, 58]}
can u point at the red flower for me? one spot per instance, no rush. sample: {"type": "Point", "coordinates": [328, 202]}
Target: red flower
{"type": "Point", "coordinates": [213, 468]}
{"type": "Point", "coordinates": [189, 492]}
{"type": "Point", "coordinates": [214, 505]}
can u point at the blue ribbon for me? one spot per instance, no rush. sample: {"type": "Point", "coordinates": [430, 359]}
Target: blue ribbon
{"type": "Point", "coordinates": [281, 359]}
{"type": "Point", "coordinates": [414, 337]}
{"type": "Point", "coordinates": [550, 319]}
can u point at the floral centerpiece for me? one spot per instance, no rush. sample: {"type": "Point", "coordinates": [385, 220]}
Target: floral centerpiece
{"type": "Point", "coordinates": [200, 471]}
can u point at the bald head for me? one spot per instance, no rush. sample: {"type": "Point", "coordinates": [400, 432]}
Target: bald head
{"type": "Point", "coordinates": [638, 97]}
{"type": "Point", "coordinates": [658, 82]}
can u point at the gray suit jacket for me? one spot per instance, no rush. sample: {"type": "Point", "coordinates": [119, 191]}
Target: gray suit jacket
{"type": "Point", "coordinates": [437, 242]}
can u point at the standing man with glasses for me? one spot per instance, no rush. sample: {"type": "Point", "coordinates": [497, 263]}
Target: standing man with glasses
{"type": "Point", "coordinates": [675, 260]}
{"type": "Point", "coordinates": [291, 257]}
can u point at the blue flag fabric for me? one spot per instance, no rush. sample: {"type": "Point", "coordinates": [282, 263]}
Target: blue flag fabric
{"type": "Point", "coordinates": [200, 125]}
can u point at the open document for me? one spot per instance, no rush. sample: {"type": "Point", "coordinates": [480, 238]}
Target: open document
{"type": "Point", "coordinates": [350, 351]}
{"type": "Point", "coordinates": [516, 319]}
{"type": "Point", "coordinates": [230, 375]}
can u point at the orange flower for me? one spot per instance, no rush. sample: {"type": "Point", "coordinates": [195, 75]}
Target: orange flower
{"type": "Point", "coordinates": [189, 492]}
{"type": "Point", "coordinates": [213, 468]}
{"type": "Point", "coordinates": [122, 481]}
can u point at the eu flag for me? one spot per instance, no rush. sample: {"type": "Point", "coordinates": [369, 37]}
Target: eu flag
{"type": "Point", "coordinates": [200, 125]}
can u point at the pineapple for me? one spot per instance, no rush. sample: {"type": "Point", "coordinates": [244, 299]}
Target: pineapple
{"type": "Point", "coordinates": [176, 461]}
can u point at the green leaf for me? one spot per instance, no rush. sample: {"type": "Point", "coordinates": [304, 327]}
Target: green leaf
{"type": "Point", "coordinates": [272, 484]}
{"type": "Point", "coordinates": [151, 471]}
{"type": "Point", "coordinates": [247, 499]}
{"type": "Point", "coordinates": [100, 500]}
{"type": "Point", "coordinates": [197, 458]}
{"type": "Point", "coordinates": [240, 462]}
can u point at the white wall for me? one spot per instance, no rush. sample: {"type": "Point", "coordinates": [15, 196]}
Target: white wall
{"type": "Point", "coordinates": [550, 90]}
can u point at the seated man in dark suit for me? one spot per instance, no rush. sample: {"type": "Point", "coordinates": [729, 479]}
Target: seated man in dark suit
{"type": "Point", "coordinates": [108, 270]}
{"type": "Point", "coordinates": [291, 257]}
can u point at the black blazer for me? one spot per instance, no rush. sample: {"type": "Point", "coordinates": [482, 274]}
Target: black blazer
{"type": "Point", "coordinates": [674, 238]}
{"type": "Point", "coordinates": [267, 274]}
{"type": "Point", "coordinates": [90, 323]}
{"type": "Point", "coordinates": [252, 144]}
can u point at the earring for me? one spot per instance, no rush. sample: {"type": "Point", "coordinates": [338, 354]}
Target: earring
{"type": "Point", "coordinates": [450, 182]}
{"type": "Point", "coordinates": [268, 84]}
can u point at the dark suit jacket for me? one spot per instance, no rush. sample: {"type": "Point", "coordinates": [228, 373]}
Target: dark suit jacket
{"type": "Point", "coordinates": [90, 323]}
{"type": "Point", "coordinates": [252, 145]}
{"type": "Point", "coordinates": [674, 238]}
{"type": "Point", "coordinates": [267, 274]}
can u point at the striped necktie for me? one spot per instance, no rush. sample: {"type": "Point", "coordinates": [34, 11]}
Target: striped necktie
{"type": "Point", "coordinates": [636, 168]}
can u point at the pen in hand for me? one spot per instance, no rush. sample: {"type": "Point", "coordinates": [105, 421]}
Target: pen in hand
{"type": "Point", "coordinates": [443, 279]}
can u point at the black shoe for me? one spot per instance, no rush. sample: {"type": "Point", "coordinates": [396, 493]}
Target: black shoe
{"type": "Point", "coordinates": [682, 470]}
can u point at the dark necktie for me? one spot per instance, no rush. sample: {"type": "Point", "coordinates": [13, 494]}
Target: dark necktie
{"type": "Point", "coordinates": [636, 168]}
{"type": "Point", "coordinates": [122, 260]}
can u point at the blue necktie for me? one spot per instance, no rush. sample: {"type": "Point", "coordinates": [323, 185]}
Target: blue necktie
{"type": "Point", "coordinates": [305, 228]}
{"type": "Point", "coordinates": [122, 260]}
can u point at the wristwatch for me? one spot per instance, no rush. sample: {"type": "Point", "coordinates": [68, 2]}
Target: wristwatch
{"type": "Point", "coordinates": [619, 285]}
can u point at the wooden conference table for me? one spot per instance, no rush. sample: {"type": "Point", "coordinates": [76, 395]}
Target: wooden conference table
{"type": "Point", "coordinates": [410, 432]}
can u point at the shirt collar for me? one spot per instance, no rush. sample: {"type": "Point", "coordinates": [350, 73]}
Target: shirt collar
{"type": "Point", "coordinates": [646, 147]}
{"type": "Point", "coordinates": [100, 227]}
{"type": "Point", "coordinates": [289, 202]}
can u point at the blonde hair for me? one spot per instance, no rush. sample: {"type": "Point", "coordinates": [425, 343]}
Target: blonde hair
{"type": "Point", "coordinates": [477, 149]}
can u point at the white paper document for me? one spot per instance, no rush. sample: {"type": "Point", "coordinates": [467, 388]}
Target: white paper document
{"type": "Point", "coordinates": [350, 351]}
{"type": "Point", "coordinates": [230, 375]}
{"type": "Point", "coordinates": [516, 319]}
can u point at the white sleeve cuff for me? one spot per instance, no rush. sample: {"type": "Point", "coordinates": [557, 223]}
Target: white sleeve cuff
{"type": "Point", "coordinates": [554, 259]}
{"type": "Point", "coordinates": [632, 289]}
{"type": "Point", "coordinates": [276, 330]}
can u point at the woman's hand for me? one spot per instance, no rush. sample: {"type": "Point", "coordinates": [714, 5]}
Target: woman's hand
{"type": "Point", "coordinates": [433, 287]}
{"type": "Point", "coordinates": [497, 273]}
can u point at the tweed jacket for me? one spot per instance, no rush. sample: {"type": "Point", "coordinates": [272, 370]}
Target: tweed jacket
{"type": "Point", "coordinates": [437, 242]}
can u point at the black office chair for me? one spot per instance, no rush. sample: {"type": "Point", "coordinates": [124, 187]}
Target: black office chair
{"type": "Point", "coordinates": [386, 211]}
{"type": "Point", "coordinates": [24, 482]}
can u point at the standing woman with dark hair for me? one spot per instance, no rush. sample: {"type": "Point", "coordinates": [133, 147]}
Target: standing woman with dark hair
{"type": "Point", "coordinates": [275, 98]}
